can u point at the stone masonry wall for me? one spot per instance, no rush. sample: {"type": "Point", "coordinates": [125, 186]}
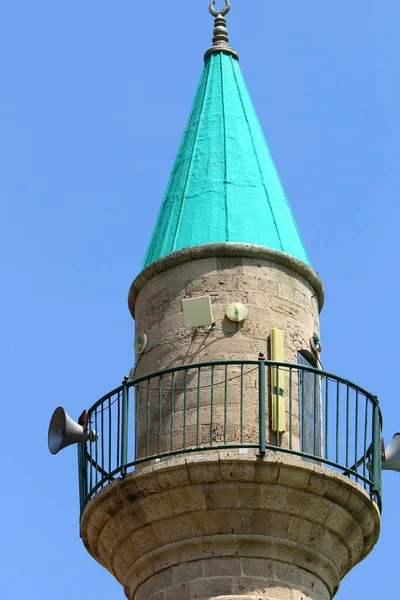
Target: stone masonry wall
{"type": "Point", "coordinates": [225, 525]}
{"type": "Point", "coordinates": [228, 523]}
{"type": "Point", "coordinates": [275, 295]}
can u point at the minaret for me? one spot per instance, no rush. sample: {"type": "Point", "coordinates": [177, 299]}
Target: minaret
{"type": "Point", "coordinates": [229, 465]}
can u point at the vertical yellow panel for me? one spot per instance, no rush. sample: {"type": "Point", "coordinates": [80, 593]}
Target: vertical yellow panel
{"type": "Point", "coordinates": [278, 381]}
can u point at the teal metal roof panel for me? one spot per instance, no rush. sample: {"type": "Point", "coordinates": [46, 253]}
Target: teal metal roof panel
{"type": "Point", "coordinates": [224, 186]}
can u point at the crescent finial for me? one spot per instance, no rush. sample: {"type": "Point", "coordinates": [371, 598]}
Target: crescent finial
{"type": "Point", "coordinates": [220, 39]}
{"type": "Point", "coordinates": [224, 11]}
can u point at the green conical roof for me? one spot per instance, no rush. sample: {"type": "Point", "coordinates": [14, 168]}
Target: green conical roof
{"type": "Point", "coordinates": [224, 186]}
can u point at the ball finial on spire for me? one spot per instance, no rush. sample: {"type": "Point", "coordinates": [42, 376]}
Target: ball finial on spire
{"type": "Point", "coordinates": [220, 39]}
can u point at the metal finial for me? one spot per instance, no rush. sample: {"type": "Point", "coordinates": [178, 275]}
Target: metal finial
{"type": "Point", "coordinates": [222, 12]}
{"type": "Point", "coordinates": [220, 39]}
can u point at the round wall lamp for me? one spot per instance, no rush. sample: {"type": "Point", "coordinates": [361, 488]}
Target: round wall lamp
{"type": "Point", "coordinates": [236, 312]}
{"type": "Point", "coordinates": [140, 342]}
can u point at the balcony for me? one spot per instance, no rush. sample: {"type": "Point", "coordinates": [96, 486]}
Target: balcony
{"type": "Point", "coordinates": [262, 406]}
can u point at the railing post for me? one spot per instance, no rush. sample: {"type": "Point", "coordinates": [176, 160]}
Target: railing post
{"type": "Point", "coordinates": [82, 472]}
{"type": "Point", "coordinates": [124, 426]}
{"type": "Point", "coordinates": [261, 402]}
{"type": "Point", "coordinates": [376, 452]}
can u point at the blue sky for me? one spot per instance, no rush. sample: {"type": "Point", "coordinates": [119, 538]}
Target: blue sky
{"type": "Point", "coordinates": [95, 96]}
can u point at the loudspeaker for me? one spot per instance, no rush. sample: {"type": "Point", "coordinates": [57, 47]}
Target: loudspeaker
{"type": "Point", "coordinates": [64, 431]}
{"type": "Point", "coordinates": [392, 455]}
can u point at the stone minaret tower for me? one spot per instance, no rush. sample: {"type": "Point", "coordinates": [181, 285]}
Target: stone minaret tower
{"type": "Point", "coordinates": [234, 467]}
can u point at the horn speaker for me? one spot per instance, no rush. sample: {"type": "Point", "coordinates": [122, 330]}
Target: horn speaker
{"type": "Point", "coordinates": [64, 431]}
{"type": "Point", "coordinates": [392, 455]}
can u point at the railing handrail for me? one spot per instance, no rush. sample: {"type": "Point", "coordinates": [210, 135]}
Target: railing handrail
{"type": "Point", "coordinates": [103, 398]}
{"type": "Point", "coordinates": [89, 461]}
{"type": "Point", "coordinates": [216, 363]}
{"type": "Point", "coordinates": [268, 363]}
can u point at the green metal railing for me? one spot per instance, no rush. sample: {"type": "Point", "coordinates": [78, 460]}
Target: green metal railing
{"type": "Point", "coordinates": [227, 404]}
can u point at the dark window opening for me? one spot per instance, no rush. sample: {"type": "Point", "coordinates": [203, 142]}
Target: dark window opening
{"type": "Point", "coordinates": [309, 409]}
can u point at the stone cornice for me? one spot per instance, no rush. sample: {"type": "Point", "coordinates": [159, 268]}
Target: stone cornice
{"type": "Point", "coordinates": [227, 249]}
{"type": "Point", "coordinates": [181, 510]}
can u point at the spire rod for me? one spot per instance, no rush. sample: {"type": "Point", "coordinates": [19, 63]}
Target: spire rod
{"type": "Point", "coordinates": [220, 39]}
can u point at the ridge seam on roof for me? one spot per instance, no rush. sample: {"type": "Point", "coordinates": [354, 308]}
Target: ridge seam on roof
{"type": "Point", "coordinates": [280, 182]}
{"type": "Point", "coordinates": [258, 161]}
{"type": "Point", "coordinates": [165, 197]}
{"type": "Point", "coordinates": [225, 184]}
{"type": "Point", "coordinates": [191, 158]}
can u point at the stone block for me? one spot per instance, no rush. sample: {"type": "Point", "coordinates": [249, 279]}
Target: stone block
{"type": "Point", "coordinates": [273, 497]}
{"type": "Point", "coordinates": [337, 492]}
{"type": "Point", "coordinates": [367, 521]}
{"type": "Point", "coordinates": [280, 523]}
{"type": "Point", "coordinates": [260, 266]}
{"type": "Point", "coordinates": [158, 582]}
{"type": "Point", "coordinates": [286, 572]}
{"type": "Point", "coordinates": [267, 471]}
{"type": "Point", "coordinates": [157, 507]}
{"type": "Point", "coordinates": [318, 484]}
{"type": "Point", "coordinates": [241, 521]}
{"type": "Point", "coordinates": [335, 550]}
{"type": "Point", "coordinates": [188, 499]}
{"type": "Point", "coordinates": [353, 537]}
{"type": "Point", "coordinates": [92, 537]}
{"type": "Point", "coordinates": [231, 264]}
{"type": "Point", "coordinates": [172, 530]}
{"type": "Point", "coordinates": [257, 327]}
{"type": "Point", "coordinates": [199, 267]}
{"type": "Point", "coordinates": [129, 519]}
{"type": "Point", "coordinates": [357, 503]}
{"type": "Point", "coordinates": [316, 564]}
{"type": "Point", "coordinates": [285, 307]}
{"type": "Point", "coordinates": [259, 289]}
{"type": "Point", "coordinates": [339, 519]}
{"type": "Point", "coordinates": [222, 567]}
{"type": "Point", "coordinates": [188, 571]}
{"type": "Point", "coordinates": [211, 588]}
{"type": "Point", "coordinates": [260, 523]}
{"type": "Point", "coordinates": [254, 586]}
{"type": "Point", "coordinates": [302, 298]}
{"type": "Point", "coordinates": [224, 545]}
{"type": "Point", "coordinates": [240, 470]}
{"type": "Point", "coordinates": [250, 496]}
{"type": "Point", "coordinates": [180, 591]}
{"type": "Point", "coordinates": [294, 477]}
{"type": "Point", "coordinates": [286, 291]}
{"type": "Point", "coordinates": [317, 538]}
{"type": "Point", "coordinates": [107, 542]}
{"type": "Point", "coordinates": [99, 518]}
{"type": "Point", "coordinates": [211, 522]}
{"type": "Point", "coordinates": [204, 468]}
{"type": "Point", "coordinates": [221, 495]}
{"type": "Point", "coordinates": [317, 509]}
{"type": "Point", "coordinates": [129, 489]}
{"type": "Point", "coordinates": [113, 501]}
{"type": "Point", "coordinates": [204, 285]}
{"type": "Point", "coordinates": [131, 582]}
{"type": "Point", "coordinates": [220, 300]}
{"type": "Point", "coordinates": [259, 567]}
{"type": "Point", "coordinates": [166, 558]}
{"type": "Point", "coordinates": [145, 481]}
{"type": "Point", "coordinates": [155, 306]}
{"type": "Point", "coordinates": [308, 583]}
{"type": "Point", "coordinates": [299, 530]}
{"type": "Point", "coordinates": [196, 549]}
{"type": "Point", "coordinates": [296, 502]}
{"type": "Point", "coordinates": [171, 476]}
